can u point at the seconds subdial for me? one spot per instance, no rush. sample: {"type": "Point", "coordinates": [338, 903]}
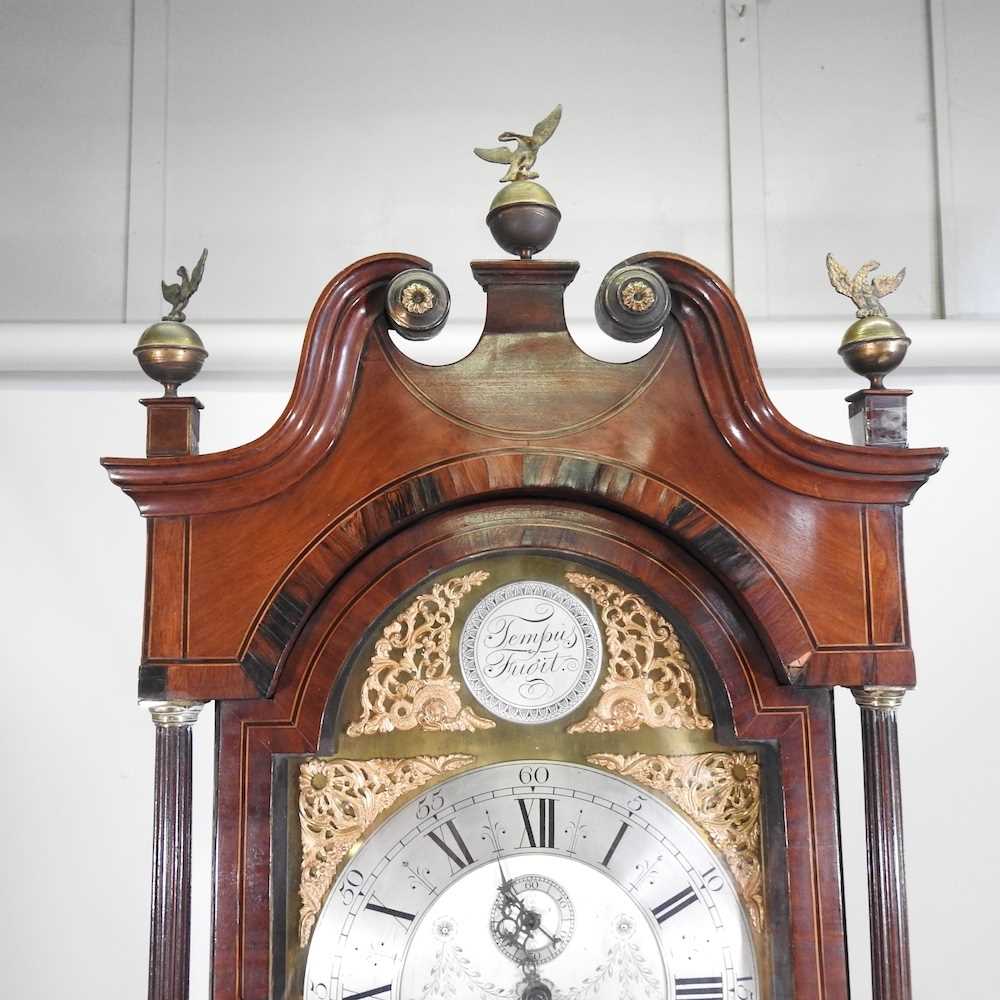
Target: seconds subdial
{"type": "Point", "coordinates": [532, 919]}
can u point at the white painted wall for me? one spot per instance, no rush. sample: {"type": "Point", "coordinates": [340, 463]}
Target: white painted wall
{"type": "Point", "coordinates": [294, 138]}
{"type": "Point", "coordinates": [848, 153]}
{"type": "Point", "coordinates": [64, 132]}
{"type": "Point", "coordinates": [78, 790]}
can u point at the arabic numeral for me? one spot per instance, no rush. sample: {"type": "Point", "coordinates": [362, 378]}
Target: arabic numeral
{"type": "Point", "coordinates": [429, 804]}
{"type": "Point", "coordinates": [352, 882]}
{"type": "Point", "coordinates": [533, 775]}
{"type": "Point", "coordinates": [319, 991]}
{"type": "Point", "coordinates": [713, 879]}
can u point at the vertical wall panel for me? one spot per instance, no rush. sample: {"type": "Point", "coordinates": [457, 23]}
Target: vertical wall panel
{"type": "Point", "coordinates": [968, 102]}
{"type": "Point", "coordinates": [848, 149]}
{"type": "Point", "coordinates": [746, 159]}
{"type": "Point", "coordinates": [299, 143]}
{"type": "Point", "coordinates": [64, 119]}
{"type": "Point", "coordinates": [150, 21]}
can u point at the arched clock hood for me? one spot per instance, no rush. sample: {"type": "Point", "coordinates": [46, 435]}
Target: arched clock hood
{"type": "Point", "coordinates": [804, 533]}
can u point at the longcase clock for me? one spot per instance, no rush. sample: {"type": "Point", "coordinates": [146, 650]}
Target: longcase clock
{"type": "Point", "coordinates": [522, 666]}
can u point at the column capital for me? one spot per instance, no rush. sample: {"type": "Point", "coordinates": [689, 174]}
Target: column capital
{"type": "Point", "coordinates": [876, 697]}
{"type": "Point", "coordinates": [173, 713]}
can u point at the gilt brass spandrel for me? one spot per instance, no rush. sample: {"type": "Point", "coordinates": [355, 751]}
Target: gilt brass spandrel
{"type": "Point", "coordinates": [649, 681]}
{"type": "Point", "coordinates": [411, 683]}
{"type": "Point", "coordinates": [667, 689]}
{"type": "Point", "coordinates": [720, 793]}
{"type": "Point", "coordinates": [338, 801]}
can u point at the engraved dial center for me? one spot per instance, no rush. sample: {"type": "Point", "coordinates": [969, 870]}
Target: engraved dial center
{"type": "Point", "coordinates": [502, 923]}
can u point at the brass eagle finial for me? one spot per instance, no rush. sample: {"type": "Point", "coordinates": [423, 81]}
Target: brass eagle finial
{"type": "Point", "coordinates": [863, 290]}
{"type": "Point", "coordinates": [179, 293]}
{"type": "Point", "coordinates": [522, 157]}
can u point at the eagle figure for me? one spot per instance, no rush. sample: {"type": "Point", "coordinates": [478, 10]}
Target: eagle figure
{"type": "Point", "coordinates": [179, 294]}
{"type": "Point", "coordinates": [522, 157]}
{"type": "Point", "coordinates": [862, 289]}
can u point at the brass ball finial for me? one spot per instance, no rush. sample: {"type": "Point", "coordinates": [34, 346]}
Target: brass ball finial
{"type": "Point", "coordinates": [523, 217]}
{"type": "Point", "coordinates": [873, 344]}
{"type": "Point", "coordinates": [171, 352]}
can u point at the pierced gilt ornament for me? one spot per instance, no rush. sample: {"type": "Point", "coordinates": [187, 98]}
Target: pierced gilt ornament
{"type": "Point", "coordinates": [338, 801]}
{"type": "Point", "coordinates": [648, 681]}
{"type": "Point", "coordinates": [523, 217]}
{"type": "Point", "coordinates": [410, 683]}
{"type": "Point", "coordinates": [720, 791]}
{"type": "Point", "coordinates": [632, 303]}
{"type": "Point", "coordinates": [873, 344]}
{"type": "Point", "coordinates": [417, 303]}
{"type": "Point", "coordinates": [171, 352]}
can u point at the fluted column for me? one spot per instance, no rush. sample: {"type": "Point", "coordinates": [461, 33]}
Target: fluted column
{"type": "Point", "coordinates": [884, 823]}
{"type": "Point", "coordinates": [170, 918]}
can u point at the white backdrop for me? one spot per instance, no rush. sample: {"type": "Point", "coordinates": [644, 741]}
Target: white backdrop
{"type": "Point", "coordinates": [78, 791]}
{"type": "Point", "coordinates": [294, 138]}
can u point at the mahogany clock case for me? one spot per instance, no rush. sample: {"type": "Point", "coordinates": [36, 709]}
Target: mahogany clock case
{"type": "Point", "coordinates": [776, 556]}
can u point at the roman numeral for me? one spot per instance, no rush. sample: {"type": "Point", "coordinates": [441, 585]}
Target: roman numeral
{"type": "Point", "coordinates": [698, 988]}
{"type": "Point", "coordinates": [374, 992]}
{"type": "Point", "coordinates": [465, 859]}
{"type": "Point", "coordinates": [390, 912]}
{"type": "Point", "coordinates": [671, 907]}
{"type": "Point", "coordinates": [546, 823]}
{"type": "Point", "coordinates": [614, 844]}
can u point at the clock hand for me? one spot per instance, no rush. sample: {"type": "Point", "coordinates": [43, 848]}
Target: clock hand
{"type": "Point", "coordinates": [504, 881]}
{"type": "Point", "coordinates": [511, 897]}
{"type": "Point", "coordinates": [529, 920]}
{"type": "Point", "coordinates": [534, 923]}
